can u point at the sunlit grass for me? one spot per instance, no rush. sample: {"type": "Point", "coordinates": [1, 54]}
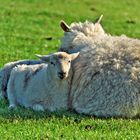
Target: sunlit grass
{"type": "Point", "coordinates": [24, 27]}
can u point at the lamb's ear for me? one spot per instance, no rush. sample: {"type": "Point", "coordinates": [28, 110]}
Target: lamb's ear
{"type": "Point", "coordinates": [74, 55]}
{"type": "Point", "coordinates": [64, 26]}
{"type": "Point", "coordinates": [45, 58]}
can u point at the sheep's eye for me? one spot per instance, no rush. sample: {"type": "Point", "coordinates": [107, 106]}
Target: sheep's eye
{"type": "Point", "coordinates": [69, 61]}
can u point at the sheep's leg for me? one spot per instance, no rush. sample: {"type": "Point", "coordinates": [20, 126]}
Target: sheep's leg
{"type": "Point", "coordinates": [11, 106]}
{"type": "Point", "coordinates": [12, 101]}
{"type": "Point", "coordinates": [38, 107]}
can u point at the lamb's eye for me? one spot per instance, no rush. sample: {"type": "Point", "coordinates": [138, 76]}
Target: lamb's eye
{"type": "Point", "coordinates": [69, 61]}
{"type": "Point", "coordinates": [52, 63]}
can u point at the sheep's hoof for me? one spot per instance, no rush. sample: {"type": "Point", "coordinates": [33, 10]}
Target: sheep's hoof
{"type": "Point", "coordinates": [11, 107]}
{"type": "Point", "coordinates": [38, 107]}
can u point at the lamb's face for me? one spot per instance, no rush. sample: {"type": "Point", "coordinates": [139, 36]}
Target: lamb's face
{"type": "Point", "coordinates": [59, 63]}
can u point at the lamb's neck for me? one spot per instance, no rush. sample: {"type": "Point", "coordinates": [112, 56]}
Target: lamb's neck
{"type": "Point", "coordinates": [57, 89]}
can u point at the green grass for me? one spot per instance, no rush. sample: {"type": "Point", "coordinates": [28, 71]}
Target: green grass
{"type": "Point", "coordinates": [24, 25]}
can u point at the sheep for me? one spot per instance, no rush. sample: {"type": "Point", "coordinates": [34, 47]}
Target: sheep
{"type": "Point", "coordinates": [42, 86]}
{"type": "Point", "coordinates": [106, 75]}
{"type": "Point", "coordinates": [5, 74]}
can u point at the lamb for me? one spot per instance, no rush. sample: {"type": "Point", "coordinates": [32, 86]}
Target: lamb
{"type": "Point", "coordinates": [106, 76]}
{"type": "Point", "coordinates": [42, 86]}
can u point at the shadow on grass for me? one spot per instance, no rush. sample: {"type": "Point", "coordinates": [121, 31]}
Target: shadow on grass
{"type": "Point", "coordinates": [26, 114]}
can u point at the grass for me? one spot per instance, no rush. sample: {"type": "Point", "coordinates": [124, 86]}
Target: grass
{"type": "Point", "coordinates": [24, 25]}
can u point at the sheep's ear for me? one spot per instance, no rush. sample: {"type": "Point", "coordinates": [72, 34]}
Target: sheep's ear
{"type": "Point", "coordinates": [64, 26]}
{"type": "Point", "coordinates": [45, 58]}
{"type": "Point", "coordinates": [98, 20]}
{"type": "Point", "coordinates": [74, 55]}
{"type": "Point", "coordinates": [98, 27]}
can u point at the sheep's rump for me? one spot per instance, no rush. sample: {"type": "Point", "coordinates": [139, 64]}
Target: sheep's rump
{"type": "Point", "coordinates": [6, 70]}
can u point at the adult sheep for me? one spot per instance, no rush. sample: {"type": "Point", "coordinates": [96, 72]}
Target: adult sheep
{"type": "Point", "coordinates": [42, 86]}
{"type": "Point", "coordinates": [106, 75]}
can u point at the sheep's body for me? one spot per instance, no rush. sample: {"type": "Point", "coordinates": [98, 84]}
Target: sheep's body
{"type": "Point", "coordinates": [6, 70]}
{"type": "Point", "coordinates": [107, 74]}
{"type": "Point", "coordinates": [108, 83]}
{"type": "Point", "coordinates": [41, 87]}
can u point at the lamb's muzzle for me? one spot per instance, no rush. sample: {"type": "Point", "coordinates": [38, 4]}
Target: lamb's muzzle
{"type": "Point", "coordinates": [62, 75]}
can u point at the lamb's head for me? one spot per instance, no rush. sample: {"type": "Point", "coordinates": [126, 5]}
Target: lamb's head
{"type": "Point", "coordinates": [76, 34]}
{"type": "Point", "coordinates": [59, 63]}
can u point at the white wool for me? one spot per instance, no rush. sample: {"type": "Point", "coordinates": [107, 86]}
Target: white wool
{"type": "Point", "coordinates": [87, 28]}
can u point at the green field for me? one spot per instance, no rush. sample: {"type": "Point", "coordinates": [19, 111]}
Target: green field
{"type": "Point", "coordinates": [24, 27]}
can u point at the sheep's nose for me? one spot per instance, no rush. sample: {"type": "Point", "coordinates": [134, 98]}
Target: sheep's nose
{"type": "Point", "coordinates": [62, 75]}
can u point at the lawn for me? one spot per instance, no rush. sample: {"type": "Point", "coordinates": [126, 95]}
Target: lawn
{"type": "Point", "coordinates": [25, 26]}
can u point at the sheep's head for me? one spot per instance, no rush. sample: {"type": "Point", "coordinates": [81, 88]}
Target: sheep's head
{"type": "Point", "coordinates": [76, 33]}
{"type": "Point", "coordinates": [59, 63]}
